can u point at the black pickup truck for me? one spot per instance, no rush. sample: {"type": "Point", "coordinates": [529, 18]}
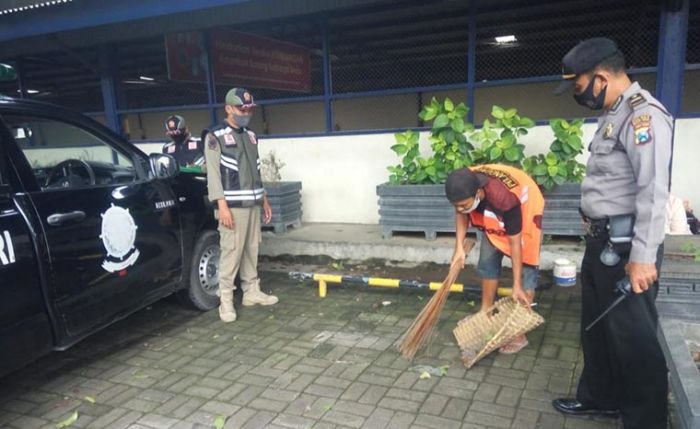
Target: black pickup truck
{"type": "Point", "coordinates": [91, 230]}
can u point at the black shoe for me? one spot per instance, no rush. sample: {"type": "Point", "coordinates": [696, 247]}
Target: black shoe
{"type": "Point", "coordinates": [575, 408]}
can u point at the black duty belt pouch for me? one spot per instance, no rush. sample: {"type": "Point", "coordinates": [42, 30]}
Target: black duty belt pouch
{"type": "Point", "coordinates": [620, 231]}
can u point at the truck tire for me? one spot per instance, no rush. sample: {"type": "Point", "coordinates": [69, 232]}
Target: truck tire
{"type": "Point", "coordinates": [203, 282]}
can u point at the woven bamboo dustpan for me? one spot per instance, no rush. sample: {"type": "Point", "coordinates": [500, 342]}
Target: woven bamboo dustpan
{"type": "Point", "coordinates": [481, 333]}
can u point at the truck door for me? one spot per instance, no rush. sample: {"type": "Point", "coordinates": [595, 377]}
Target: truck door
{"type": "Point", "coordinates": [113, 234]}
{"type": "Point", "coordinates": [25, 330]}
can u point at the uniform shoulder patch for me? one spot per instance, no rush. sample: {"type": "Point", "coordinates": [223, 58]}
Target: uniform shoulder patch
{"type": "Point", "coordinates": [641, 125]}
{"type": "Point", "coordinates": [636, 100]}
{"type": "Point", "coordinates": [212, 142]}
{"type": "Point", "coordinates": [253, 138]}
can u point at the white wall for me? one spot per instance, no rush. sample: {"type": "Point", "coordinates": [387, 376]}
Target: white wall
{"type": "Point", "coordinates": [339, 174]}
{"type": "Point", "coordinates": [686, 161]}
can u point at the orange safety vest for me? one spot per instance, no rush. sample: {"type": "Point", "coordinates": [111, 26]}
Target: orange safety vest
{"type": "Point", "coordinates": [531, 205]}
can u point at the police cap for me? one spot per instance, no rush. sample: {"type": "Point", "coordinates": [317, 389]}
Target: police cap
{"type": "Point", "coordinates": [240, 97]}
{"type": "Point", "coordinates": [583, 58]}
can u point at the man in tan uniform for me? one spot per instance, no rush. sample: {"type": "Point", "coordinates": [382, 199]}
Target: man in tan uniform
{"type": "Point", "coordinates": [234, 183]}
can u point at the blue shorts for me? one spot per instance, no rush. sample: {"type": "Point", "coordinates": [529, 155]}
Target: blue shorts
{"type": "Point", "coordinates": [489, 266]}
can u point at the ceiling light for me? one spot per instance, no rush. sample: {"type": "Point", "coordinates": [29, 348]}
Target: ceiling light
{"type": "Point", "coordinates": [506, 39]}
{"type": "Point", "coordinates": [146, 78]}
{"type": "Point", "coordinates": [30, 91]}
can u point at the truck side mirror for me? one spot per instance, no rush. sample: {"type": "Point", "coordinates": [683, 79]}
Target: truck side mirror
{"type": "Point", "coordinates": [163, 166]}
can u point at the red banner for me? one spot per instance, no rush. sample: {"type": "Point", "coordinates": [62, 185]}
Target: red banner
{"type": "Point", "coordinates": [240, 59]}
{"type": "Point", "coordinates": [187, 56]}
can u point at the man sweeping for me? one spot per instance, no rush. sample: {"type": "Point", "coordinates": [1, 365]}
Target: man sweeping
{"type": "Point", "coordinates": [506, 205]}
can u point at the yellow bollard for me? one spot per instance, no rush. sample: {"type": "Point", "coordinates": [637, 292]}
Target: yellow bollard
{"type": "Point", "coordinates": [455, 287]}
{"type": "Point", "coordinates": [375, 281]}
{"type": "Point", "coordinates": [504, 291]}
{"type": "Point", "coordinates": [324, 279]}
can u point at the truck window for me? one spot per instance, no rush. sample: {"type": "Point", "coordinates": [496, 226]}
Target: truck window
{"type": "Point", "coordinates": [63, 155]}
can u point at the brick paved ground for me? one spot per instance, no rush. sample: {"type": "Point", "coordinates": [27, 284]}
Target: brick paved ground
{"type": "Point", "coordinates": [304, 363]}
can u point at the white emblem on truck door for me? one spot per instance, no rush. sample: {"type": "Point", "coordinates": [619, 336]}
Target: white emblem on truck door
{"type": "Point", "coordinates": [118, 237]}
{"type": "Point", "coordinates": [7, 250]}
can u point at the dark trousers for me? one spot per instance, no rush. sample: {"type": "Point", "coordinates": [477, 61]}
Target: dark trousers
{"type": "Point", "coordinates": [624, 367]}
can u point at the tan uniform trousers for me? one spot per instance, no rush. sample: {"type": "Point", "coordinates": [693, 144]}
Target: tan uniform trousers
{"type": "Point", "coordinates": [239, 250]}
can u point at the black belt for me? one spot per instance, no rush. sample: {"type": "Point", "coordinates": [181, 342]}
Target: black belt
{"type": "Point", "coordinates": [618, 229]}
{"type": "Point", "coordinates": [594, 227]}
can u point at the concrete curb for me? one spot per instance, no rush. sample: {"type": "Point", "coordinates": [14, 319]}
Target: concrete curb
{"type": "Point", "coordinates": [361, 242]}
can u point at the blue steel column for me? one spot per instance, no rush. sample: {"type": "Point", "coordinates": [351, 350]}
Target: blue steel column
{"type": "Point", "coordinates": [109, 93]}
{"type": "Point", "coordinates": [327, 82]}
{"type": "Point", "coordinates": [471, 60]}
{"type": "Point", "coordinates": [673, 34]}
{"type": "Point", "coordinates": [211, 85]}
{"type": "Point", "coordinates": [21, 82]}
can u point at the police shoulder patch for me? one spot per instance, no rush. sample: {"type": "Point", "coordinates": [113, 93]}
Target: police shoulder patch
{"type": "Point", "coordinates": [212, 142]}
{"type": "Point", "coordinates": [641, 125]}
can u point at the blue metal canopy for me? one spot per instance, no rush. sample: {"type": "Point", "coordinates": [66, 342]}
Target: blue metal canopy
{"type": "Point", "coordinates": [26, 18]}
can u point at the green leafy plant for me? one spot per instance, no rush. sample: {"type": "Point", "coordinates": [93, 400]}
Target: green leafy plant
{"type": "Point", "coordinates": [559, 165]}
{"type": "Point", "coordinates": [411, 169]}
{"type": "Point", "coordinates": [692, 249]}
{"type": "Point", "coordinates": [448, 142]}
{"type": "Point", "coordinates": [497, 140]}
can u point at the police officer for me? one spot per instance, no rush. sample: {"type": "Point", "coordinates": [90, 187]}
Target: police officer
{"type": "Point", "coordinates": [234, 183]}
{"type": "Point", "coordinates": [627, 183]}
{"type": "Point", "coordinates": [187, 150]}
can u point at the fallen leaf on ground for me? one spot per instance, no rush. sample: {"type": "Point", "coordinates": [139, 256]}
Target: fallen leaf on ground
{"type": "Point", "coordinates": [424, 375]}
{"type": "Point", "coordinates": [69, 421]}
{"type": "Point", "coordinates": [90, 399]}
{"type": "Point", "coordinates": [385, 303]}
{"type": "Point", "coordinates": [139, 376]}
{"type": "Point", "coordinates": [219, 422]}
{"type": "Point", "coordinates": [437, 371]}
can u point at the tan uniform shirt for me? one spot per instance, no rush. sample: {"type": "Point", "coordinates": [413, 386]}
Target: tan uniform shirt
{"type": "Point", "coordinates": [629, 168]}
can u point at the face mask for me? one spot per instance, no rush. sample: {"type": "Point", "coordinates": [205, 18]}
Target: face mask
{"type": "Point", "coordinates": [475, 204]}
{"type": "Point", "coordinates": [586, 98]}
{"type": "Point", "coordinates": [241, 120]}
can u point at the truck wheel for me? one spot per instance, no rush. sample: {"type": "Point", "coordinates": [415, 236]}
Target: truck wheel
{"type": "Point", "coordinates": [203, 285]}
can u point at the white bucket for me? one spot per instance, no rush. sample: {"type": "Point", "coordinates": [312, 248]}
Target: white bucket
{"type": "Point", "coordinates": [564, 272]}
